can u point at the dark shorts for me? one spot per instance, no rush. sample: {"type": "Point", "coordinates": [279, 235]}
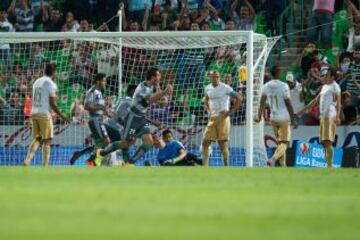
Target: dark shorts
{"type": "Point", "coordinates": [135, 125]}
{"type": "Point", "coordinates": [98, 130]}
{"type": "Point", "coordinates": [113, 133]}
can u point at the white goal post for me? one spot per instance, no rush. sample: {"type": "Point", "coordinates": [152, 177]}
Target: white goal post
{"type": "Point", "coordinates": [184, 59]}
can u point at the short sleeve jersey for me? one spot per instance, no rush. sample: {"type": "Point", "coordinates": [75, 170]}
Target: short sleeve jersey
{"type": "Point", "coordinates": [327, 100]}
{"type": "Point", "coordinates": [141, 96]}
{"type": "Point", "coordinates": [277, 92]}
{"type": "Point", "coordinates": [94, 97]}
{"type": "Point", "coordinates": [219, 98]}
{"type": "Point", "coordinates": [122, 109]}
{"type": "Point", "coordinates": [171, 150]}
{"type": "Point", "coordinates": [43, 88]}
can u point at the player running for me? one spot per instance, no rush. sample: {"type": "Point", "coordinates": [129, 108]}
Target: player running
{"type": "Point", "coordinates": [330, 107]}
{"type": "Point", "coordinates": [136, 123]}
{"type": "Point", "coordinates": [281, 112]}
{"type": "Point", "coordinates": [114, 126]}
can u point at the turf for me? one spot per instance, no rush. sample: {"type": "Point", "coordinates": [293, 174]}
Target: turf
{"type": "Point", "coordinates": [179, 203]}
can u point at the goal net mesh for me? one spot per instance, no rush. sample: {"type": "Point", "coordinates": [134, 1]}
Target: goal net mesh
{"type": "Point", "coordinates": [184, 61]}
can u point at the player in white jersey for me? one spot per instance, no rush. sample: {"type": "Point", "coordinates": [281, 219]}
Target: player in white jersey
{"type": "Point", "coordinates": [44, 100]}
{"type": "Point", "coordinates": [217, 104]}
{"type": "Point", "coordinates": [330, 107]}
{"type": "Point", "coordinates": [281, 113]}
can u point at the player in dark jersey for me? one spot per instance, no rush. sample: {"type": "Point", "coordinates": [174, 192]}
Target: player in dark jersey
{"type": "Point", "coordinates": [114, 126]}
{"type": "Point", "coordinates": [136, 123]}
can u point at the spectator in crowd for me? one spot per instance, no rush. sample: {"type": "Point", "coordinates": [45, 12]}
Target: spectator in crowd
{"type": "Point", "coordinates": [296, 95]}
{"type": "Point", "coordinates": [215, 22]}
{"type": "Point", "coordinates": [5, 26]}
{"type": "Point", "coordinates": [230, 25]}
{"type": "Point", "coordinates": [37, 57]}
{"type": "Point", "coordinates": [273, 9]}
{"type": "Point", "coordinates": [204, 26]}
{"type": "Point", "coordinates": [348, 111]}
{"type": "Point", "coordinates": [353, 84]}
{"type": "Point", "coordinates": [138, 9]}
{"type": "Point", "coordinates": [168, 13]}
{"type": "Point", "coordinates": [24, 16]}
{"type": "Point", "coordinates": [54, 23]}
{"type": "Point", "coordinates": [71, 24]}
{"type": "Point", "coordinates": [245, 18]}
{"type": "Point", "coordinates": [13, 110]}
{"type": "Point", "coordinates": [306, 59]}
{"type": "Point", "coordinates": [84, 26]}
{"type": "Point", "coordinates": [80, 8]}
{"type": "Point", "coordinates": [354, 24]}
{"type": "Point", "coordinates": [321, 22]}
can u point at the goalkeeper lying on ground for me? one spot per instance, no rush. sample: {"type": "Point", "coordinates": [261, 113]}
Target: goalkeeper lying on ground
{"type": "Point", "coordinates": [173, 152]}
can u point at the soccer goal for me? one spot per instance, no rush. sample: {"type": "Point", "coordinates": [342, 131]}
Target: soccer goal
{"type": "Point", "coordinates": [184, 59]}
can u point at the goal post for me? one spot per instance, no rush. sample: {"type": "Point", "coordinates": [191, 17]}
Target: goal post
{"type": "Point", "coordinates": [184, 59]}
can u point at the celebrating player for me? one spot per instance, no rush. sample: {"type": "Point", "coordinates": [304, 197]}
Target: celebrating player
{"type": "Point", "coordinates": [330, 107]}
{"type": "Point", "coordinates": [172, 152]}
{"type": "Point", "coordinates": [44, 99]}
{"type": "Point", "coordinates": [136, 123]}
{"type": "Point", "coordinates": [95, 105]}
{"type": "Point", "coordinates": [114, 125]}
{"type": "Point", "coordinates": [281, 112]}
{"type": "Point", "coordinates": [217, 104]}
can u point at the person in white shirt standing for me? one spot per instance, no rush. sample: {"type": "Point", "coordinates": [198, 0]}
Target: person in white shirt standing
{"type": "Point", "coordinates": [44, 100]}
{"type": "Point", "coordinates": [217, 104]}
{"type": "Point", "coordinates": [5, 26]}
{"type": "Point", "coordinates": [296, 95]}
{"type": "Point", "coordinates": [281, 113]}
{"type": "Point", "coordinates": [330, 107]}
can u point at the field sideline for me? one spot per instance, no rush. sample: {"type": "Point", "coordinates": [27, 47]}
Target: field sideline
{"type": "Point", "coordinates": [179, 203]}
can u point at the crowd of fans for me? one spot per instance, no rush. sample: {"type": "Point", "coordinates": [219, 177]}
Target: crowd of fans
{"type": "Point", "coordinates": [334, 43]}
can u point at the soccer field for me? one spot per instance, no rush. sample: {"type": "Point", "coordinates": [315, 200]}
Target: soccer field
{"type": "Point", "coordinates": [179, 203]}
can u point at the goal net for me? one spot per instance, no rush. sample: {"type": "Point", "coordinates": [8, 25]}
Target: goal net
{"type": "Point", "coordinates": [184, 59]}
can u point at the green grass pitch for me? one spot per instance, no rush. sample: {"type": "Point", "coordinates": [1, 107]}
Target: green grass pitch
{"type": "Point", "coordinates": [179, 203]}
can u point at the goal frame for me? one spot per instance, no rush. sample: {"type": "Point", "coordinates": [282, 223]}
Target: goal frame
{"type": "Point", "coordinates": [51, 36]}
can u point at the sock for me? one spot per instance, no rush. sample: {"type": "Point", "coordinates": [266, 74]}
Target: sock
{"type": "Point", "coordinates": [139, 153]}
{"type": "Point", "coordinates": [329, 154]}
{"type": "Point", "coordinates": [280, 152]}
{"type": "Point", "coordinates": [110, 148]}
{"type": "Point", "coordinates": [34, 145]}
{"type": "Point", "coordinates": [206, 154]}
{"type": "Point", "coordinates": [86, 150]}
{"type": "Point", "coordinates": [113, 159]}
{"type": "Point", "coordinates": [282, 160]}
{"type": "Point", "coordinates": [126, 154]}
{"type": "Point", "coordinates": [46, 149]}
{"type": "Point", "coordinates": [225, 154]}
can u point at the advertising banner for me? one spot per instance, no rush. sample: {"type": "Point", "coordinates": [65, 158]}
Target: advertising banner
{"type": "Point", "coordinates": [313, 155]}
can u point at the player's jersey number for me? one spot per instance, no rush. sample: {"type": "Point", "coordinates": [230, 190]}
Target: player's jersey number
{"type": "Point", "coordinates": [274, 103]}
{"type": "Point", "coordinates": [37, 97]}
